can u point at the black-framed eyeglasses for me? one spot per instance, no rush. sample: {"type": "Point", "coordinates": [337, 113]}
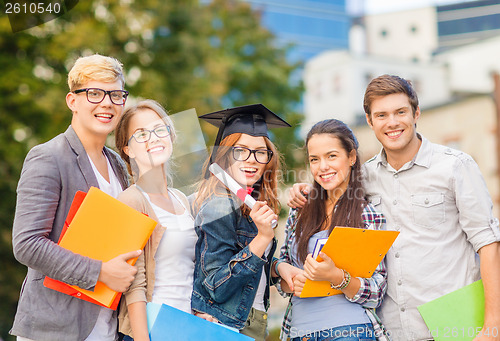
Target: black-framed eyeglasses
{"type": "Point", "coordinates": [143, 135]}
{"type": "Point", "coordinates": [96, 95]}
{"type": "Point", "coordinates": [262, 156]}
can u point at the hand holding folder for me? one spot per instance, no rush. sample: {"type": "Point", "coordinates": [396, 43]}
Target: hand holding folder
{"type": "Point", "coordinates": [101, 227]}
{"type": "Point", "coordinates": [358, 251]}
{"type": "Point", "coordinates": [116, 272]}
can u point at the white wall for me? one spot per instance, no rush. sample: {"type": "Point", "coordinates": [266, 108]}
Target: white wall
{"type": "Point", "coordinates": [335, 83]}
{"type": "Point", "coordinates": [470, 66]}
{"type": "Point", "coordinates": [409, 35]}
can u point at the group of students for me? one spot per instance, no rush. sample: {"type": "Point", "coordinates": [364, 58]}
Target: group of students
{"type": "Point", "coordinates": [213, 256]}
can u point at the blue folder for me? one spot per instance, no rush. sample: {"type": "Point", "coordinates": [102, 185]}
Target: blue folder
{"type": "Point", "coordinates": [169, 323]}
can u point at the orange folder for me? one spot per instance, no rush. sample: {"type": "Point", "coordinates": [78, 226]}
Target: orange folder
{"type": "Point", "coordinates": [101, 227]}
{"type": "Point", "coordinates": [358, 251]}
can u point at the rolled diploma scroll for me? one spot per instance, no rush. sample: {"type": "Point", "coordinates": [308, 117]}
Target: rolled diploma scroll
{"type": "Point", "coordinates": [235, 187]}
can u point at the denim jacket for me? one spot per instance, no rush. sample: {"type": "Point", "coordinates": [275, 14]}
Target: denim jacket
{"type": "Point", "coordinates": [227, 273]}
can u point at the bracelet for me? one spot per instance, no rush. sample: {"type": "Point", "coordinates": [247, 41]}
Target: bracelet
{"type": "Point", "coordinates": [345, 281]}
{"type": "Point", "coordinates": [275, 266]}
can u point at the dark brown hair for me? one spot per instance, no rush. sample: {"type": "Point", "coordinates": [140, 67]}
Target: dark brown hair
{"type": "Point", "coordinates": [349, 207]}
{"type": "Point", "coordinates": [387, 85]}
{"type": "Point", "coordinates": [268, 182]}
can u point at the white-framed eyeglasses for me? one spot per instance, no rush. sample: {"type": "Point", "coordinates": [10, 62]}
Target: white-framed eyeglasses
{"type": "Point", "coordinates": [144, 135]}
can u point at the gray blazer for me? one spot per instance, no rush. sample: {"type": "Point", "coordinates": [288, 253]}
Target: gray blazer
{"type": "Point", "coordinates": [52, 173]}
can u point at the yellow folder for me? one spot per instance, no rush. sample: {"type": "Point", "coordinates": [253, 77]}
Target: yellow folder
{"type": "Point", "coordinates": [102, 228]}
{"type": "Point", "coordinates": [358, 251]}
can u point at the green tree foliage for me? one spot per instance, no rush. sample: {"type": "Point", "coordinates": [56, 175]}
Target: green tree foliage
{"type": "Point", "coordinates": [185, 54]}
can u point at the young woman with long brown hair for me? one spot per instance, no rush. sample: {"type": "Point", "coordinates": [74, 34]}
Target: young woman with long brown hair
{"type": "Point", "coordinates": [336, 199]}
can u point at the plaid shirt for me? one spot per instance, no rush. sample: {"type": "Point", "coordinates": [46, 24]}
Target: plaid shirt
{"type": "Point", "coordinates": [372, 289]}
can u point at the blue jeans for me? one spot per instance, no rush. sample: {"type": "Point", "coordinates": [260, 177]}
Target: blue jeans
{"type": "Point", "coordinates": [353, 332]}
{"type": "Point", "coordinates": [127, 338]}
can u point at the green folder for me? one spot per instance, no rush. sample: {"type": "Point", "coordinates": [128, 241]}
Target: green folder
{"type": "Point", "coordinates": [458, 315]}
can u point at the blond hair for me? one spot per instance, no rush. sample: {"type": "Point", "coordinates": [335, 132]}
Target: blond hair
{"type": "Point", "coordinates": [95, 68]}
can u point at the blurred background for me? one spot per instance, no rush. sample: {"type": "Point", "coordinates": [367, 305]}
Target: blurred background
{"type": "Point", "coordinates": [306, 60]}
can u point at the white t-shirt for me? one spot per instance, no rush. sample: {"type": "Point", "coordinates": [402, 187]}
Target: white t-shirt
{"type": "Point", "coordinates": [258, 302]}
{"type": "Point", "coordinates": [174, 257]}
{"type": "Point", "coordinates": [106, 325]}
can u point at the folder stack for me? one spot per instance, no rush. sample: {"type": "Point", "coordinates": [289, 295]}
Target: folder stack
{"type": "Point", "coordinates": [101, 227]}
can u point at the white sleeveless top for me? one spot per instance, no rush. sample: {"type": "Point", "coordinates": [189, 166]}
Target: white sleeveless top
{"type": "Point", "coordinates": [174, 257]}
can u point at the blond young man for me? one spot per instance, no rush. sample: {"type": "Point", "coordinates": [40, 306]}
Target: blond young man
{"type": "Point", "coordinates": [52, 173]}
{"type": "Point", "coordinates": [437, 198]}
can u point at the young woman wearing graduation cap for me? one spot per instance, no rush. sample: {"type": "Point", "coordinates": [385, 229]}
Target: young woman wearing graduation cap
{"type": "Point", "coordinates": [235, 244]}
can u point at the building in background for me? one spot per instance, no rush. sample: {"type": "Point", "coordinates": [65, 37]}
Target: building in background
{"type": "Point", "coordinates": [467, 22]}
{"type": "Point", "coordinates": [408, 35]}
{"type": "Point", "coordinates": [312, 26]}
{"type": "Point", "coordinates": [335, 83]}
{"type": "Point", "coordinates": [446, 51]}
{"type": "Point", "coordinates": [470, 67]}
{"type": "Point", "coordinates": [399, 43]}
{"type": "Point", "coordinates": [449, 53]}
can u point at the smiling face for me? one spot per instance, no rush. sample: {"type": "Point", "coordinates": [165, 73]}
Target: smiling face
{"type": "Point", "coordinates": [248, 172]}
{"type": "Point", "coordinates": [94, 119]}
{"type": "Point", "coordinates": [330, 163]}
{"type": "Point", "coordinates": [154, 152]}
{"type": "Point", "coordinates": [393, 123]}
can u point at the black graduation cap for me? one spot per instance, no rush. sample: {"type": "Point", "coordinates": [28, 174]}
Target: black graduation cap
{"type": "Point", "coordinates": [253, 120]}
